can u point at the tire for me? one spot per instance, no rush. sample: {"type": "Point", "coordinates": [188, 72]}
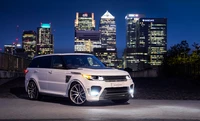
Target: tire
{"type": "Point", "coordinates": [32, 91]}
{"type": "Point", "coordinates": [77, 94]}
{"type": "Point", "coordinates": [121, 101]}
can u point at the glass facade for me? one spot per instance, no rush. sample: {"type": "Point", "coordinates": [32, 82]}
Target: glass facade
{"type": "Point", "coordinates": [153, 32]}
{"type": "Point", "coordinates": [108, 51]}
{"type": "Point", "coordinates": [146, 41]}
{"type": "Point", "coordinates": [107, 57]}
{"type": "Point", "coordinates": [29, 43]}
{"type": "Point", "coordinates": [44, 41]}
{"type": "Point", "coordinates": [86, 41]}
{"type": "Point", "coordinates": [107, 28]}
{"type": "Point", "coordinates": [133, 54]}
{"type": "Point", "coordinates": [86, 38]}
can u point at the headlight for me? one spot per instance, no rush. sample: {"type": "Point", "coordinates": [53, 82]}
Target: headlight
{"type": "Point", "coordinates": [128, 77]}
{"type": "Point", "coordinates": [89, 77]}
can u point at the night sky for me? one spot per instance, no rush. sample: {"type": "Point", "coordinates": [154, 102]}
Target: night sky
{"type": "Point", "coordinates": [183, 18]}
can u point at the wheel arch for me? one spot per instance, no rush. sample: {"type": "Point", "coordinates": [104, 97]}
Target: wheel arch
{"type": "Point", "coordinates": [37, 84]}
{"type": "Point", "coordinates": [73, 82]}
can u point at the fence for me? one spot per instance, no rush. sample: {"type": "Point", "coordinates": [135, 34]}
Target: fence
{"type": "Point", "coordinates": [13, 63]}
{"type": "Point", "coordinates": [145, 73]}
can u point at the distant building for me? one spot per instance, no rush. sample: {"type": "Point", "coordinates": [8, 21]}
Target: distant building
{"type": "Point", "coordinates": [146, 41]}
{"type": "Point", "coordinates": [107, 57]}
{"type": "Point", "coordinates": [131, 53]}
{"type": "Point", "coordinates": [86, 38]}
{"type": "Point", "coordinates": [86, 41]}
{"type": "Point", "coordinates": [10, 48]}
{"type": "Point", "coordinates": [108, 51]}
{"type": "Point", "coordinates": [107, 28]}
{"type": "Point", "coordinates": [153, 37]}
{"type": "Point", "coordinates": [84, 21]}
{"type": "Point", "coordinates": [45, 40]}
{"type": "Point", "coordinates": [29, 43]}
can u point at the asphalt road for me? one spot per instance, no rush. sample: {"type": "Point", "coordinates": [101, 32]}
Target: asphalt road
{"type": "Point", "coordinates": [15, 106]}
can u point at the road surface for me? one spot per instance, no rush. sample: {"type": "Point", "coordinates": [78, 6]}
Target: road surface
{"type": "Point", "coordinates": [59, 108]}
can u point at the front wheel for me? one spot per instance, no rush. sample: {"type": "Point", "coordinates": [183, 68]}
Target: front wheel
{"type": "Point", "coordinates": [77, 94]}
{"type": "Point", "coordinates": [121, 101]}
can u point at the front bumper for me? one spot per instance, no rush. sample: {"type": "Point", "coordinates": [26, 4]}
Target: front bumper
{"type": "Point", "coordinates": [105, 91]}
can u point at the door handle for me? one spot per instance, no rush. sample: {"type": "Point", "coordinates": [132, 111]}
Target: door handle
{"type": "Point", "coordinates": [35, 71]}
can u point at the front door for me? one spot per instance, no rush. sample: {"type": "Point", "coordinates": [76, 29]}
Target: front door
{"type": "Point", "coordinates": [58, 76]}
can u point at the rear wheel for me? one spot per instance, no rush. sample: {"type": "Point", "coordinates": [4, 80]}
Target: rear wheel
{"type": "Point", "coordinates": [77, 94]}
{"type": "Point", "coordinates": [121, 101]}
{"type": "Point", "coordinates": [32, 91]}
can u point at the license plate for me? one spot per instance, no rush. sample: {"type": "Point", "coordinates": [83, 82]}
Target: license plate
{"type": "Point", "coordinates": [116, 84]}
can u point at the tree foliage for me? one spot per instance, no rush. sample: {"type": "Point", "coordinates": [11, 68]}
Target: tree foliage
{"type": "Point", "coordinates": [180, 58]}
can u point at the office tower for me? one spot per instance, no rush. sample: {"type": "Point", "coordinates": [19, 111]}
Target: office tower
{"type": "Point", "coordinates": [106, 56]}
{"type": "Point", "coordinates": [45, 41]}
{"type": "Point", "coordinates": [142, 38]}
{"type": "Point", "coordinates": [108, 52]}
{"type": "Point", "coordinates": [107, 28]}
{"type": "Point", "coordinates": [132, 54]}
{"type": "Point", "coordinates": [86, 38]}
{"type": "Point", "coordinates": [153, 36]}
{"type": "Point", "coordinates": [29, 43]}
{"type": "Point", "coordinates": [84, 21]}
{"type": "Point", "coordinates": [86, 41]}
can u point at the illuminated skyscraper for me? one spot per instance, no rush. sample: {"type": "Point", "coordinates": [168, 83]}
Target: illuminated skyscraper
{"type": "Point", "coordinates": [153, 36]}
{"type": "Point", "coordinates": [133, 56]}
{"type": "Point", "coordinates": [108, 52]}
{"type": "Point", "coordinates": [45, 40]}
{"type": "Point", "coordinates": [107, 28]}
{"type": "Point", "coordinates": [29, 43]}
{"type": "Point", "coordinates": [84, 21]}
{"type": "Point", "coordinates": [86, 41]}
{"type": "Point", "coordinates": [146, 41]}
{"type": "Point", "coordinates": [86, 38]}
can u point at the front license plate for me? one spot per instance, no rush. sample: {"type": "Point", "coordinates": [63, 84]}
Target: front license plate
{"type": "Point", "coordinates": [116, 84]}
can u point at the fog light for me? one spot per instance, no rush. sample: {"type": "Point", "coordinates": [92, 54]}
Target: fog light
{"type": "Point", "coordinates": [94, 93]}
{"type": "Point", "coordinates": [131, 91]}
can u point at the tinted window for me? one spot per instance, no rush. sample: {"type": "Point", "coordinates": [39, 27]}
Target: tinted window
{"type": "Point", "coordinates": [45, 62]}
{"type": "Point", "coordinates": [57, 60]}
{"type": "Point", "coordinates": [82, 61]}
{"type": "Point", "coordinates": [34, 63]}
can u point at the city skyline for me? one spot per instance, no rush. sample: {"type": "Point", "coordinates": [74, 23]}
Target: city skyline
{"type": "Point", "coordinates": [64, 34]}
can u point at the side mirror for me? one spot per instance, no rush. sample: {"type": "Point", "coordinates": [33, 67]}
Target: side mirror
{"type": "Point", "coordinates": [58, 66]}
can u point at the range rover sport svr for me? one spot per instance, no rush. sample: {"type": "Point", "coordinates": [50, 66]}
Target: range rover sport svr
{"type": "Point", "coordinates": [80, 77]}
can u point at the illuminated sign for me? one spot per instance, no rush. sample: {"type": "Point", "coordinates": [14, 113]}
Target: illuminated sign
{"type": "Point", "coordinates": [148, 20]}
{"type": "Point", "coordinates": [85, 15]}
{"type": "Point", "coordinates": [45, 25]}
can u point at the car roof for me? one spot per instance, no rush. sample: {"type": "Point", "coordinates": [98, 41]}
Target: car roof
{"type": "Point", "coordinates": [62, 54]}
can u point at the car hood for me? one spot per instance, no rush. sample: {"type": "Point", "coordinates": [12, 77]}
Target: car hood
{"type": "Point", "coordinates": [102, 72]}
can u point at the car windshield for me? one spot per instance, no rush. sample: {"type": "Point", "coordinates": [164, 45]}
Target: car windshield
{"type": "Point", "coordinates": [83, 61]}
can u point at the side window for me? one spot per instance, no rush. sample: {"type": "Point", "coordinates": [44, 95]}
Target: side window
{"type": "Point", "coordinates": [34, 63]}
{"type": "Point", "coordinates": [57, 62]}
{"type": "Point", "coordinates": [45, 62]}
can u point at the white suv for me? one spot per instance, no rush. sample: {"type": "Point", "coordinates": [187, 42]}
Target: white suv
{"type": "Point", "coordinates": [80, 77]}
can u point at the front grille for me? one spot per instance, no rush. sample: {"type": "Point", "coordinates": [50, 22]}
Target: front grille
{"type": "Point", "coordinates": [115, 93]}
{"type": "Point", "coordinates": [114, 78]}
